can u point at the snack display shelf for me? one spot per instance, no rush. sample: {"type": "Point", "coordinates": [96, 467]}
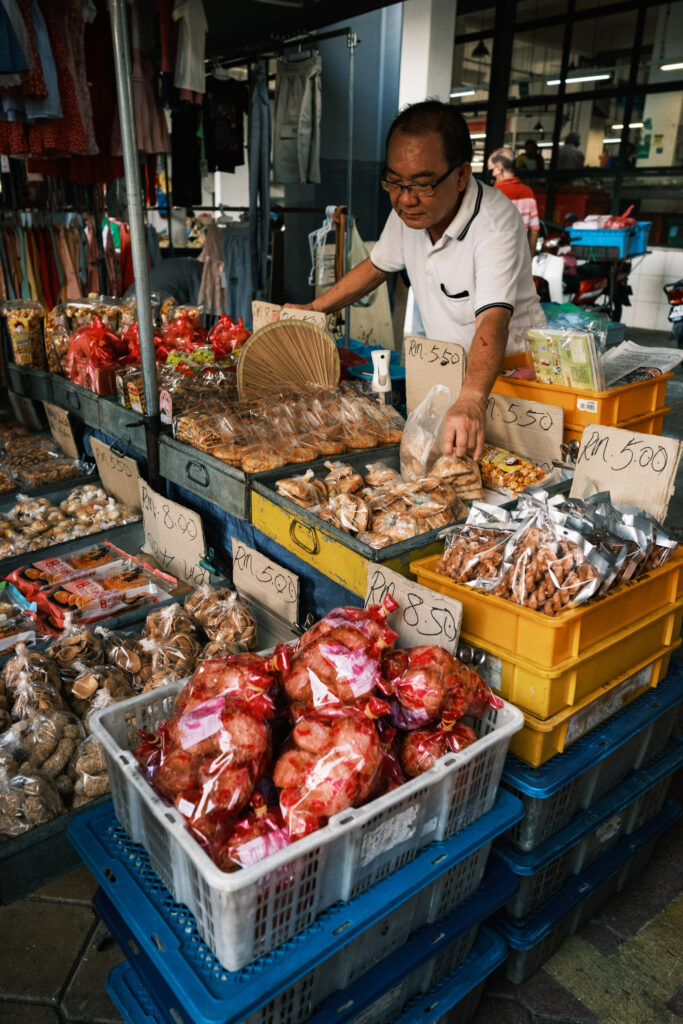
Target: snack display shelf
{"type": "Point", "coordinates": [129, 538]}
{"type": "Point", "coordinates": [228, 486]}
{"type": "Point", "coordinates": [36, 857]}
{"type": "Point", "coordinates": [53, 492]}
{"type": "Point", "coordinates": [549, 640]}
{"type": "Point", "coordinates": [458, 994]}
{"type": "Point", "coordinates": [168, 934]}
{"type": "Point", "coordinates": [616, 407]}
{"type": "Point", "coordinates": [628, 741]}
{"type": "Point", "coordinates": [29, 383]}
{"type": "Point", "coordinates": [535, 937]}
{"type": "Point", "coordinates": [539, 740]}
{"type": "Point", "coordinates": [622, 811]}
{"type": "Point", "coordinates": [237, 913]}
{"type": "Point", "coordinates": [80, 401]}
{"type": "Point", "coordinates": [123, 425]}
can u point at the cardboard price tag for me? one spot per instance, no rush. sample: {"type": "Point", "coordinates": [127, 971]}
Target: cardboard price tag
{"type": "Point", "coordinates": [637, 469]}
{"type": "Point", "coordinates": [118, 473]}
{"type": "Point", "coordinates": [263, 312]}
{"type": "Point", "coordinates": [429, 363]}
{"type": "Point", "coordinates": [265, 581]}
{"type": "Point", "coordinates": [174, 536]}
{"type": "Point", "coordinates": [423, 616]}
{"type": "Point", "coordinates": [60, 428]}
{"type": "Point", "coordinates": [526, 428]}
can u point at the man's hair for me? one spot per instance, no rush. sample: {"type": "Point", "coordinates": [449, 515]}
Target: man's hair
{"type": "Point", "coordinates": [503, 156]}
{"type": "Point", "coordinates": [442, 118]}
{"type": "Point", "coordinates": [573, 139]}
{"type": "Point", "coordinates": [531, 142]}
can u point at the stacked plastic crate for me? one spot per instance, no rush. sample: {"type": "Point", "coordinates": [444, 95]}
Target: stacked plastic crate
{"type": "Point", "coordinates": [375, 918]}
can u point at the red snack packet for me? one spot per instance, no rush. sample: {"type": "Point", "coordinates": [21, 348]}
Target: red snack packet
{"type": "Point", "coordinates": [92, 345]}
{"type": "Point", "coordinates": [131, 336]}
{"type": "Point", "coordinates": [421, 749]}
{"type": "Point", "coordinates": [258, 834]}
{"type": "Point", "coordinates": [331, 761]}
{"type": "Point", "coordinates": [226, 335]}
{"type": "Point", "coordinates": [338, 660]}
{"type": "Point", "coordinates": [184, 333]}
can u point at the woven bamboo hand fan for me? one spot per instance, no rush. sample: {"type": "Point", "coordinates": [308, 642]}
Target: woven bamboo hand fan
{"type": "Point", "coordinates": [289, 352]}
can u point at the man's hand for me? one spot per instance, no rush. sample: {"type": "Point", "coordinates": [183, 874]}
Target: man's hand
{"type": "Point", "coordinates": [464, 429]}
{"type": "Point", "coordinates": [273, 319]}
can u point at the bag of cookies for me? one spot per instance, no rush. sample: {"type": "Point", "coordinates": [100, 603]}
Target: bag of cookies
{"type": "Point", "coordinates": [88, 769]}
{"type": "Point", "coordinates": [508, 473]}
{"type": "Point", "coordinates": [27, 799]}
{"type": "Point", "coordinates": [25, 321]}
{"type": "Point", "coordinates": [422, 441]}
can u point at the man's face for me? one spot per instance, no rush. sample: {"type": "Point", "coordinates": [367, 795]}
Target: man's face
{"type": "Point", "coordinates": [420, 159]}
{"type": "Point", "coordinates": [495, 169]}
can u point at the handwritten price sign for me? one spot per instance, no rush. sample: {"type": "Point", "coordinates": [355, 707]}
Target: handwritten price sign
{"type": "Point", "coordinates": [429, 363]}
{"type": "Point", "coordinates": [527, 428]}
{"type": "Point", "coordinates": [423, 615]}
{"type": "Point", "coordinates": [265, 581]}
{"type": "Point", "coordinates": [262, 313]}
{"type": "Point", "coordinates": [637, 469]}
{"type": "Point", "coordinates": [60, 428]}
{"type": "Point", "coordinates": [174, 536]}
{"type": "Point", "coordinates": [118, 473]}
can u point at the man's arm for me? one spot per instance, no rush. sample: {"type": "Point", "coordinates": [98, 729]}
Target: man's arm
{"type": "Point", "coordinates": [465, 421]}
{"type": "Point", "coordinates": [360, 280]}
{"type": "Point", "coordinates": [533, 237]}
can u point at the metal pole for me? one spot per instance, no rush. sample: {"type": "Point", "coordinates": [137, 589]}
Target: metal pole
{"type": "Point", "coordinates": [169, 199]}
{"type": "Point", "coordinates": [124, 90]}
{"type": "Point", "coordinates": [352, 42]}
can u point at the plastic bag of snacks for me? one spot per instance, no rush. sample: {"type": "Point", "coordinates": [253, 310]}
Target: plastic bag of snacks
{"type": "Point", "coordinates": [131, 336]}
{"type": "Point", "coordinates": [474, 555]}
{"type": "Point", "coordinates": [226, 336]}
{"type": "Point", "coordinates": [422, 441]}
{"type": "Point", "coordinates": [508, 473]}
{"type": "Point", "coordinates": [184, 333]}
{"type": "Point", "coordinates": [25, 322]}
{"type": "Point", "coordinates": [89, 771]}
{"type": "Point", "coordinates": [420, 750]}
{"type": "Point", "coordinates": [27, 799]}
{"type": "Point", "coordinates": [92, 348]}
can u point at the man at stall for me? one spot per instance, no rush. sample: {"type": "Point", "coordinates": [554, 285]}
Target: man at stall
{"type": "Point", "coordinates": [464, 248]}
{"type": "Point", "coordinates": [502, 167]}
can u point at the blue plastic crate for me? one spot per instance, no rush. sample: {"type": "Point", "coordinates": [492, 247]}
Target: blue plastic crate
{"type": "Point", "coordinates": [167, 933]}
{"type": "Point", "coordinates": [461, 990]}
{"type": "Point", "coordinates": [627, 241]}
{"type": "Point", "coordinates": [593, 765]}
{"type": "Point", "coordinates": [534, 938]}
{"type": "Point", "coordinates": [590, 834]}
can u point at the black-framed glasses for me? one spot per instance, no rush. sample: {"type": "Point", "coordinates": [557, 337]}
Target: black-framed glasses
{"type": "Point", "coordinates": [396, 187]}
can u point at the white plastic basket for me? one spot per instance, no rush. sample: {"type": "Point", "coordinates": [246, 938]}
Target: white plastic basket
{"type": "Point", "coordinates": [244, 915]}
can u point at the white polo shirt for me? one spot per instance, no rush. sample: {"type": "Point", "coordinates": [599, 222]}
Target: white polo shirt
{"type": "Point", "coordinates": [481, 260]}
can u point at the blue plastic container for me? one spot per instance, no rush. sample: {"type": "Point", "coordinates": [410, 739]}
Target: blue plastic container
{"type": "Point", "coordinates": [592, 766]}
{"type": "Point", "coordinates": [611, 243]}
{"type": "Point", "coordinates": [166, 931]}
{"type": "Point", "coordinates": [534, 938]}
{"type": "Point", "coordinates": [591, 833]}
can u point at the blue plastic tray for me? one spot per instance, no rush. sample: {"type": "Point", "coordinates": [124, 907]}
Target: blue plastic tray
{"type": "Point", "coordinates": [560, 770]}
{"type": "Point", "coordinates": [166, 930]}
{"type": "Point", "coordinates": [136, 1007]}
{"type": "Point", "coordinates": [497, 888]}
{"type": "Point", "coordinates": [526, 932]}
{"type": "Point", "coordinates": [634, 786]}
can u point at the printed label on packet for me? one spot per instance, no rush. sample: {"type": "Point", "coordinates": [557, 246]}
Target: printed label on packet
{"type": "Point", "coordinates": [389, 834]}
{"type": "Point", "coordinates": [201, 722]}
{"type": "Point", "coordinates": [262, 847]}
{"type": "Point", "coordinates": [186, 807]}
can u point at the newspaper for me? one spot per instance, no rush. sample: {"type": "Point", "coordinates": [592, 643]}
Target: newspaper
{"type": "Point", "coordinates": [628, 363]}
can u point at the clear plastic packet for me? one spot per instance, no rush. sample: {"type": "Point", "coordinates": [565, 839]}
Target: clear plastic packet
{"type": "Point", "coordinates": [169, 621]}
{"type": "Point", "coordinates": [550, 568]}
{"type": "Point", "coordinates": [200, 602]}
{"type": "Point", "coordinates": [174, 657]}
{"type": "Point", "coordinates": [31, 694]}
{"type": "Point", "coordinates": [259, 458]}
{"type": "Point", "coordinates": [189, 309]}
{"type": "Point", "coordinates": [49, 742]}
{"type": "Point", "coordinates": [76, 649]}
{"type": "Point", "coordinates": [304, 490]}
{"type": "Point", "coordinates": [332, 761]}
{"type": "Point", "coordinates": [420, 750]}
{"type": "Point", "coordinates": [45, 573]}
{"type": "Point", "coordinates": [422, 441]}
{"type": "Point", "coordinates": [127, 653]}
{"type": "Point", "coordinates": [338, 659]}
{"type": "Point", "coordinates": [379, 474]}
{"type": "Point", "coordinates": [39, 668]}
{"type": "Point", "coordinates": [388, 422]}
{"type": "Point", "coordinates": [567, 356]}
{"type": "Point", "coordinates": [25, 324]}
{"type": "Point", "coordinates": [164, 306]}
{"type": "Point", "coordinates": [82, 690]}
{"type": "Point", "coordinates": [89, 600]}
{"type": "Point", "coordinates": [342, 478]}
{"type": "Point", "coordinates": [350, 512]}
{"type": "Point", "coordinates": [475, 555]}
{"type": "Point", "coordinates": [27, 799]}
{"type": "Point", "coordinates": [374, 540]}
{"type": "Point", "coordinates": [89, 772]}
{"type": "Point", "coordinates": [231, 624]}
{"type": "Point", "coordinates": [57, 338]}
{"type": "Point", "coordinates": [359, 430]}
{"type": "Point", "coordinates": [508, 473]}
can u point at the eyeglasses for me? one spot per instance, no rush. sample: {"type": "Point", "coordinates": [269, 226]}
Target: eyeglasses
{"type": "Point", "coordinates": [396, 187]}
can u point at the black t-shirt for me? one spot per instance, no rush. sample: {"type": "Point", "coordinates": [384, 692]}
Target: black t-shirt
{"type": "Point", "coordinates": [225, 103]}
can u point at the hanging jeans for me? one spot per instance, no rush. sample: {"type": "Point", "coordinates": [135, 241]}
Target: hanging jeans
{"type": "Point", "coordinates": [259, 184]}
{"type": "Point", "coordinates": [296, 138]}
{"type": "Point", "coordinates": [235, 248]}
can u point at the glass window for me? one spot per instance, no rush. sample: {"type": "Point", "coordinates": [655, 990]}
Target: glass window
{"type": "Point", "coordinates": [471, 71]}
{"type": "Point", "coordinates": [536, 60]}
{"type": "Point", "coordinates": [600, 55]}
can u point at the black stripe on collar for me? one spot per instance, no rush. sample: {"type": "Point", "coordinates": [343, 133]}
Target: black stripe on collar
{"type": "Point", "coordinates": [477, 207]}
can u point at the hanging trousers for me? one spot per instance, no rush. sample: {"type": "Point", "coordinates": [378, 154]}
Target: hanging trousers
{"type": "Point", "coordinates": [259, 182]}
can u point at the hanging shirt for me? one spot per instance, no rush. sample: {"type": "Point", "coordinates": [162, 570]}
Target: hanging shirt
{"type": "Point", "coordinates": [189, 67]}
{"type": "Point", "coordinates": [225, 104]}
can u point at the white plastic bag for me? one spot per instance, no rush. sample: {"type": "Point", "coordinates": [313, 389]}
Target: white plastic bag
{"type": "Point", "coordinates": [422, 442]}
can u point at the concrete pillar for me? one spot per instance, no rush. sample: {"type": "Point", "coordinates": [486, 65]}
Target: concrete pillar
{"type": "Point", "coordinates": [426, 50]}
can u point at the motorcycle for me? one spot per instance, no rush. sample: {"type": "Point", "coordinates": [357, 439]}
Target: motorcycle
{"type": "Point", "coordinates": [674, 295]}
{"type": "Point", "coordinates": [559, 276]}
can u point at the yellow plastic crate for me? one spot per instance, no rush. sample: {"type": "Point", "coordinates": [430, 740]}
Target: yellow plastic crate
{"type": "Point", "coordinates": [650, 423]}
{"type": "Point", "coordinates": [545, 692]}
{"type": "Point", "coordinates": [548, 641]}
{"type": "Point", "coordinates": [617, 407]}
{"type": "Point", "coordinates": [539, 740]}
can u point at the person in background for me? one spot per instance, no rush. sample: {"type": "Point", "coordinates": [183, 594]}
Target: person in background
{"type": "Point", "coordinates": [570, 157]}
{"type": "Point", "coordinates": [531, 159]}
{"type": "Point", "coordinates": [180, 277]}
{"type": "Point", "coordinates": [462, 245]}
{"type": "Point", "coordinates": [501, 165]}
